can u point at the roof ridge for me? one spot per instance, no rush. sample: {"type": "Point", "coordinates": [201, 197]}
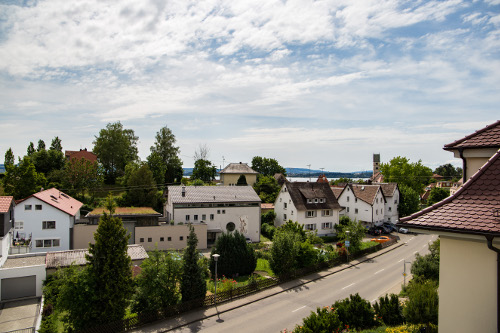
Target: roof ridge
{"type": "Point", "coordinates": [450, 145]}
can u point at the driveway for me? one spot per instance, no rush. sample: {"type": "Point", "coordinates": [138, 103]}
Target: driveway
{"type": "Point", "coordinates": [15, 315]}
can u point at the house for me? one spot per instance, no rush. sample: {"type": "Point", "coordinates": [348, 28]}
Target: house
{"type": "Point", "coordinates": [231, 173]}
{"type": "Point", "coordinates": [266, 207]}
{"type": "Point", "coordinates": [7, 223]}
{"type": "Point", "coordinates": [311, 204]}
{"type": "Point", "coordinates": [364, 203]}
{"type": "Point", "coordinates": [280, 178]}
{"type": "Point", "coordinates": [47, 218]}
{"type": "Point", "coordinates": [220, 208]}
{"type": "Point", "coordinates": [322, 179]}
{"type": "Point", "coordinates": [392, 199]}
{"type": "Point", "coordinates": [22, 276]}
{"type": "Point", "coordinates": [79, 154]}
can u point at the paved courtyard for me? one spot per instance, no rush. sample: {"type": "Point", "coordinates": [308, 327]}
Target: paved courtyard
{"type": "Point", "coordinates": [19, 314]}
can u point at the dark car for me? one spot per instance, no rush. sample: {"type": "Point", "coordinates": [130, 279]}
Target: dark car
{"type": "Point", "coordinates": [383, 230]}
{"type": "Point", "coordinates": [374, 231]}
{"type": "Point", "coordinates": [390, 226]}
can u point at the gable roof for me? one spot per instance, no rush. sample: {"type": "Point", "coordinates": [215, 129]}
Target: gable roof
{"type": "Point", "coordinates": [212, 194]}
{"type": "Point", "coordinates": [5, 203]}
{"type": "Point", "coordinates": [238, 168]}
{"type": "Point", "coordinates": [388, 189]}
{"type": "Point", "coordinates": [366, 193]}
{"type": "Point", "coordinates": [66, 258]}
{"type": "Point", "coordinates": [82, 153]}
{"type": "Point", "coordinates": [58, 199]}
{"type": "Point", "coordinates": [488, 137]}
{"type": "Point", "coordinates": [473, 209]}
{"type": "Point", "coordinates": [301, 191]}
{"type": "Point", "coordinates": [337, 190]}
{"type": "Point", "coordinates": [125, 211]}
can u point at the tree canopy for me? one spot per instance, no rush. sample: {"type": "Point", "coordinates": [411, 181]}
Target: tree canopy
{"type": "Point", "coordinates": [22, 180]}
{"type": "Point", "coordinates": [82, 176]}
{"type": "Point", "coordinates": [267, 188]}
{"type": "Point", "coordinates": [167, 152]}
{"type": "Point", "coordinates": [236, 256]}
{"type": "Point", "coordinates": [437, 194]}
{"type": "Point", "coordinates": [141, 190]}
{"type": "Point", "coordinates": [400, 170]}
{"type": "Point", "coordinates": [267, 166]}
{"type": "Point", "coordinates": [9, 157]}
{"type": "Point", "coordinates": [204, 170]}
{"type": "Point", "coordinates": [448, 171]}
{"type": "Point", "coordinates": [409, 201]}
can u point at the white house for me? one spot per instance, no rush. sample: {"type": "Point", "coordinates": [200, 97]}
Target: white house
{"type": "Point", "coordinates": [364, 203]}
{"type": "Point", "coordinates": [221, 208]}
{"type": "Point", "coordinates": [6, 225]}
{"type": "Point", "coordinates": [47, 217]}
{"type": "Point", "coordinates": [311, 204]}
{"type": "Point", "coordinates": [392, 195]}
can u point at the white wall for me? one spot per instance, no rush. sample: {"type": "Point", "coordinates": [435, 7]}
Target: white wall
{"type": "Point", "coordinates": [391, 208]}
{"type": "Point", "coordinates": [38, 270]}
{"type": "Point", "coordinates": [4, 248]}
{"type": "Point", "coordinates": [366, 212]}
{"type": "Point", "coordinates": [33, 224]}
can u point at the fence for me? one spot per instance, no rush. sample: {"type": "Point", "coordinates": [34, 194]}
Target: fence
{"type": "Point", "coordinates": [23, 330]}
{"type": "Point", "coordinates": [146, 318]}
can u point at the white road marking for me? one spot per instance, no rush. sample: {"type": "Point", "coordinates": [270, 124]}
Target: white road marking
{"type": "Point", "coordinates": [401, 260]}
{"type": "Point", "coordinates": [299, 308]}
{"type": "Point", "coordinates": [415, 252]}
{"type": "Point", "coordinates": [379, 271]}
{"type": "Point", "coordinates": [352, 284]}
{"type": "Point", "coordinates": [424, 246]}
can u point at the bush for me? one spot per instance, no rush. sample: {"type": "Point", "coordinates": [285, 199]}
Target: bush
{"type": "Point", "coordinates": [236, 256]}
{"type": "Point", "coordinates": [329, 239]}
{"type": "Point", "coordinates": [389, 309]}
{"type": "Point", "coordinates": [284, 252]}
{"type": "Point", "coordinates": [324, 320]}
{"type": "Point", "coordinates": [307, 255]}
{"type": "Point", "coordinates": [268, 230]}
{"type": "Point", "coordinates": [422, 305]}
{"type": "Point", "coordinates": [268, 218]}
{"type": "Point", "coordinates": [356, 312]}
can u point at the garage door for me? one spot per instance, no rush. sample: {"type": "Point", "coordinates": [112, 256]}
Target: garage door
{"type": "Point", "coordinates": [18, 287]}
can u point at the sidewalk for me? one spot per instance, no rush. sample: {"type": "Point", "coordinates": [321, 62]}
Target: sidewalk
{"type": "Point", "coordinates": [203, 313]}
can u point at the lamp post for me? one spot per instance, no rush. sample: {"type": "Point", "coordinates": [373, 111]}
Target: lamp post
{"type": "Point", "coordinates": [216, 257]}
{"type": "Point", "coordinates": [347, 244]}
{"type": "Point", "coordinates": [404, 271]}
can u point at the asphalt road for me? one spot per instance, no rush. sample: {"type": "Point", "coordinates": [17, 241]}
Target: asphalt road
{"type": "Point", "coordinates": [370, 279]}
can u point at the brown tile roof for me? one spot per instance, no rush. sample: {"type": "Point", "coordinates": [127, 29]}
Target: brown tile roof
{"type": "Point", "coordinates": [301, 191]}
{"type": "Point", "coordinates": [242, 168]}
{"type": "Point", "coordinates": [5, 203]}
{"type": "Point", "coordinates": [377, 177]}
{"type": "Point", "coordinates": [82, 153]}
{"type": "Point", "coordinates": [66, 258]}
{"type": "Point", "coordinates": [388, 189]}
{"type": "Point", "coordinates": [488, 137]}
{"type": "Point", "coordinates": [59, 200]}
{"type": "Point", "coordinates": [267, 206]}
{"type": "Point", "coordinates": [337, 190]}
{"type": "Point", "coordinates": [125, 211]}
{"type": "Point", "coordinates": [473, 209]}
{"type": "Point", "coordinates": [367, 193]}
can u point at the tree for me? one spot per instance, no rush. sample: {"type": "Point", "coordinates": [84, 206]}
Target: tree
{"type": "Point", "coordinates": [9, 157]}
{"type": "Point", "coordinates": [267, 166]}
{"type": "Point", "coordinates": [437, 194]}
{"type": "Point", "coordinates": [165, 147]}
{"type": "Point", "coordinates": [140, 185]}
{"type": "Point", "coordinates": [341, 180]}
{"type": "Point", "coordinates": [48, 161]}
{"type": "Point", "coordinates": [356, 232]}
{"type": "Point", "coordinates": [193, 285]}
{"type": "Point", "coordinates": [268, 217]}
{"type": "Point", "coordinates": [236, 256]}
{"type": "Point", "coordinates": [158, 168]}
{"type": "Point", "coordinates": [109, 269]}
{"type": "Point", "coordinates": [204, 170]}
{"type": "Point", "coordinates": [22, 180]}
{"type": "Point", "coordinates": [284, 252]}
{"type": "Point", "coordinates": [31, 149]}
{"type": "Point", "coordinates": [41, 145]}
{"type": "Point", "coordinates": [427, 267]}
{"type": "Point", "coordinates": [355, 312]}
{"type": "Point", "coordinates": [448, 171]}
{"type": "Point", "coordinates": [115, 147]}
{"type": "Point", "coordinates": [242, 181]}
{"type": "Point", "coordinates": [409, 201]}
{"type": "Point", "coordinates": [81, 176]}
{"type": "Point", "coordinates": [294, 227]}
{"type": "Point", "coordinates": [401, 171]}
{"type": "Point", "coordinates": [389, 309]}
{"type": "Point", "coordinates": [201, 153]}
{"type": "Point", "coordinates": [157, 285]}
{"type": "Point", "coordinates": [56, 144]}
{"type": "Point", "coordinates": [267, 188]}
{"type": "Point", "coordinates": [423, 303]}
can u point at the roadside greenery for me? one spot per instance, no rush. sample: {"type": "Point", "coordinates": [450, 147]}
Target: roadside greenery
{"type": "Point", "coordinates": [237, 257]}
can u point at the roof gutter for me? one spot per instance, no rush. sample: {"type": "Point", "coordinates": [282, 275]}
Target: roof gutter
{"type": "Point", "coordinates": [489, 240]}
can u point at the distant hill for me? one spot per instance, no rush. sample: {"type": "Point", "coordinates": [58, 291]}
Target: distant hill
{"type": "Point", "coordinates": [304, 172]}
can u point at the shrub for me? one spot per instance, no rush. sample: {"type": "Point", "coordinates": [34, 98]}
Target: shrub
{"type": "Point", "coordinates": [268, 230]}
{"type": "Point", "coordinates": [236, 256]}
{"type": "Point", "coordinates": [389, 309]}
{"type": "Point", "coordinates": [422, 305]}
{"type": "Point", "coordinates": [284, 252]}
{"type": "Point", "coordinates": [307, 255]}
{"type": "Point", "coordinates": [324, 320]}
{"type": "Point", "coordinates": [356, 312]}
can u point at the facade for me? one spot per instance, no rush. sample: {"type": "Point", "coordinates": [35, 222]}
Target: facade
{"type": "Point", "coordinates": [392, 198]}
{"type": "Point", "coordinates": [47, 218]}
{"type": "Point", "coordinates": [231, 173]}
{"type": "Point", "coordinates": [221, 208]}
{"type": "Point", "coordinates": [364, 203]}
{"type": "Point", "coordinates": [7, 223]}
{"type": "Point", "coordinates": [311, 204]}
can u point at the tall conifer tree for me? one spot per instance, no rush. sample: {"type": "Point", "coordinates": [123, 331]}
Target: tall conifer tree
{"type": "Point", "coordinates": [193, 285]}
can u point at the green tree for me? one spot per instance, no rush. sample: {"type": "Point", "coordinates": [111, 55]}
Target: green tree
{"type": "Point", "coordinates": [165, 147]}
{"type": "Point", "coordinates": [31, 149]}
{"type": "Point", "coordinates": [109, 269]}
{"type": "Point", "coordinates": [242, 181]}
{"type": "Point", "coordinates": [193, 285]}
{"type": "Point", "coordinates": [204, 170]}
{"type": "Point", "coordinates": [437, 194]}
{"type": "Point", "coordinates": [409, 201]}
{"type": "Point", "coordinates": [324, 320]}
{"type": "Point", "coordinates": [56, 144]}
{"type": "Point", "coordinates": [157, 285]}
{"type": "Point", "coordinates": [267, 166]}
{"type": "Point", "coordinates": [115, 147]}
{"type": "Point", "coordinates": [389, 309]}
{"type": "Point", "coordinates": [355, 312]}
{"type": "Point", "coordinates": [294, 227]}
{"type": "Point", "coordinates": [9, 158]}
{"type": "Point", "coordinates": [401, 171]}
{"type": "Point", "coordinates": [356, 233]}
{"type": "Point", "coordinates": [82, 176]}
{"type": "Point", "coordinates": [236, 256]}
{"type": "Point", "coordinates": [284, 252]}
{"type": "Point", "coordinates": [341, 180]}
{"type": "Point", "coordinates": [158, 167]}
{"type": "Point", "coordinates": [448, 171]}
{"type": "Point", "coordinates": [48, 161]}
{"type": "Point", "coordinates": [268, 218]}
{"type": "Point", "coordinates": [22, 180]}
{"type": "Point", "coordinates": [423, 303]}
{"type": "Point", "coordinates": [267, 188]}
{"type": "Point", "coordinates": [140, 185]}
{"type": "Point", "coordinates": [41, 145]}
{"type": "Point", "coordinates": [427, 267]}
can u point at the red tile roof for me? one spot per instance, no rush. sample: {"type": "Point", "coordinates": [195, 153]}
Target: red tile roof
{"type": "Point", "coordinates": [79, 154]}
{"type": "Point", "coordinates": [5, 203]}
{"type": "Point", "coordinates": [473, 209]}
{"type": "Point", "coordinates": [59, 200]}
{"type": "Point", "coordinates": [366, 193]}
{"type": "Point", "coordinates": [488, 137]}
{"type": "Point", "coordinates": [267, 206]}
{"type": "Point", "coordinates": [337, 190]}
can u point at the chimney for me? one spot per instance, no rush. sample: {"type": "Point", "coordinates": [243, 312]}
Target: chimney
{"type": "Point", "coordinates": [184, 191]}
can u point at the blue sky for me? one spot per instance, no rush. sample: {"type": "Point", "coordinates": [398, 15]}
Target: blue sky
{"type": "Point", "coordinates": [326, 83]}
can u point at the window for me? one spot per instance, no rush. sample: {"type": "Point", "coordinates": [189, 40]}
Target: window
{"type": "Point", "coordinates": [284, 217]}
{"type": "Point", "coordinates": [326, 225]}
{"type": "Point", "coordinates": [376, 212]}
{"type": "Point", "coordinates": [162, 239]}
{"type": "Point", "coordinates": [211, 217]}
{"type": "Point", "coordinates": [27, 207]}
{"type": "Point", "coordinates": [195, 217]}
{"type": "Point", "coordinates": [389, 219]}
{"type": "Point", "coordinates": [310, 226]}
{"type": "Point", "coordinates": [169, 239]}
{"type": "Point", "coordinates": [310, 213]}
{"type": "Point", "coordinates": [187, 217]}
{"type": "Point", "coordinates": [48, 224]}
{"type": "Point", "coordinates": [316, 200]}
{"type": "Point", "coordinates": [355, 199]}
{"type": "Point", "coordinates": [203, 217]}
{"type": "Point", "coordinates": [38, 207]}
{"type": "Point", "coordinates": [348, 209]}
{"type": "Point", "coordinates": [284, 205]}
{"type": "Point", "coordinates": [47, 242]}
{"type": "Point", "coordinates": [309, 201]}
{"type": "Point", "coordinates": [181, 238]}
{"type": "Point", "coordinates": [223, 211]}
{"type": "Point", "coordinates": [230, 226]}
{"type": "Point", "coordinates": [327, 212]}
{"type": "Point", "coordinates": [347, 198]}
{"type": "Point", "coordinates": [150, 239]}
{"type": "Point", "coordinates": [218, 211]}
{"type": "Point", "coordinates": [19, 225]}
{"type": "Point", "coordinates": [289, 200]}
{"type": "Point", "coordinates": [355, 211]}
{"type": "Point", "coordinates": [390, 209]}
{"type": "Point", "coordinates": [141, 240]}
{"type": "Point", "coordinates": [280, 199]}
{"type": "Point", "coordinates": [291, 213]}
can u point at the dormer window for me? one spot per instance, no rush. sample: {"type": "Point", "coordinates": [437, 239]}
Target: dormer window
{"type": "Point", "coordinates": [309, 201]}
{"type": "Point", "coordinates": [316, 200]}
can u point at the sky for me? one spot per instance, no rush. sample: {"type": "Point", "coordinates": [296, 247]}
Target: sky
{"type": "Point", "coordinates": [321, 83]}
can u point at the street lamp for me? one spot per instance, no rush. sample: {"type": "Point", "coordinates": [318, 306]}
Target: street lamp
{"type": "Point", "coordinates": [347, 244]}
{"type": "Point", "coordinates": [404, 271]}
{"type": "Point", "coordinates": [216, 257]}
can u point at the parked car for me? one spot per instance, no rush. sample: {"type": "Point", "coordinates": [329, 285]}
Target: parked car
{"type": "Point", "coordinates": [390, 226]}
{"type": "Point", "coordinates": [403, 230]}
{"type": "Point", "coordinates": [383, 229]}
{"type": "Point", "coordinates": [374, 231]}
{"type": "Point", "coordinates": [381, 239]}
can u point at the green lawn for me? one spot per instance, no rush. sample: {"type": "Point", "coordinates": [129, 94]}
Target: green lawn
{"type": "Point", "coordinates": [263, 265]}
